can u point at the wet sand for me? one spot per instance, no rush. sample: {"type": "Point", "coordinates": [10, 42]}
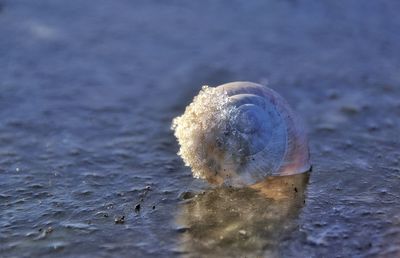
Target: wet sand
{"type": "Point", "coordinates": [88, 90]}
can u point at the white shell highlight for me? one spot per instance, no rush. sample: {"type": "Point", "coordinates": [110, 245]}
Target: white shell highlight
{"type": "Point", "coordinates": [239, 133]}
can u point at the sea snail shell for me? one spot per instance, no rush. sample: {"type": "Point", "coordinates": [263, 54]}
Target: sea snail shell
{"type": "Point", "coordinates": [239, 133]}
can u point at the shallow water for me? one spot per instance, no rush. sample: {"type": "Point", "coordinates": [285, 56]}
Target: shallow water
{"type": "Point", "coordinates": [88, 91]}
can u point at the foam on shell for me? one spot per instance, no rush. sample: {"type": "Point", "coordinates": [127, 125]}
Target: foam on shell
{"type": "Point", "coordinates": [239, 133]}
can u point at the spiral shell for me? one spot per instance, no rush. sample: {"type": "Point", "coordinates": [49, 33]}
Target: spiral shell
{"type": "Point", "coordinates": [239, 133]}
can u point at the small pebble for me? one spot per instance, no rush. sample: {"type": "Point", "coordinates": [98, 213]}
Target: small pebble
{"type": "Point", "coordinates": [242, 232]}
{"type": "Point", "coordinates": [137, 207]}
{"type": "Point", "coordinates": [49, 230]}
{"type": "Point", "coordinates": [44, 233]}
{"type": "Point", "coordinates": [119, 220]}
{"type": "Point", "coordinates": [186, 195]}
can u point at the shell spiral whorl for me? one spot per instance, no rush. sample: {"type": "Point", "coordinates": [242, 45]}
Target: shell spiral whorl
{"type": "Point", "coordinates": [239, 133]}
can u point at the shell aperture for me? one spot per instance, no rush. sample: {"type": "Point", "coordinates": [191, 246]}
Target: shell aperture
{"type": "Point", "coordinates": [239, 133]}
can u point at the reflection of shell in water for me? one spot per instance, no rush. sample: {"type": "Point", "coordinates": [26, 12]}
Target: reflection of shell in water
{"type": "Point", "coordinates": [239, 133]}
{"type": "Point", "coordinates": [242, 222]}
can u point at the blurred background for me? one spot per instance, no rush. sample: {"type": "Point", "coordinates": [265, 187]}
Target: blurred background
{"type": "Point", "coordinates": [88, 89]}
